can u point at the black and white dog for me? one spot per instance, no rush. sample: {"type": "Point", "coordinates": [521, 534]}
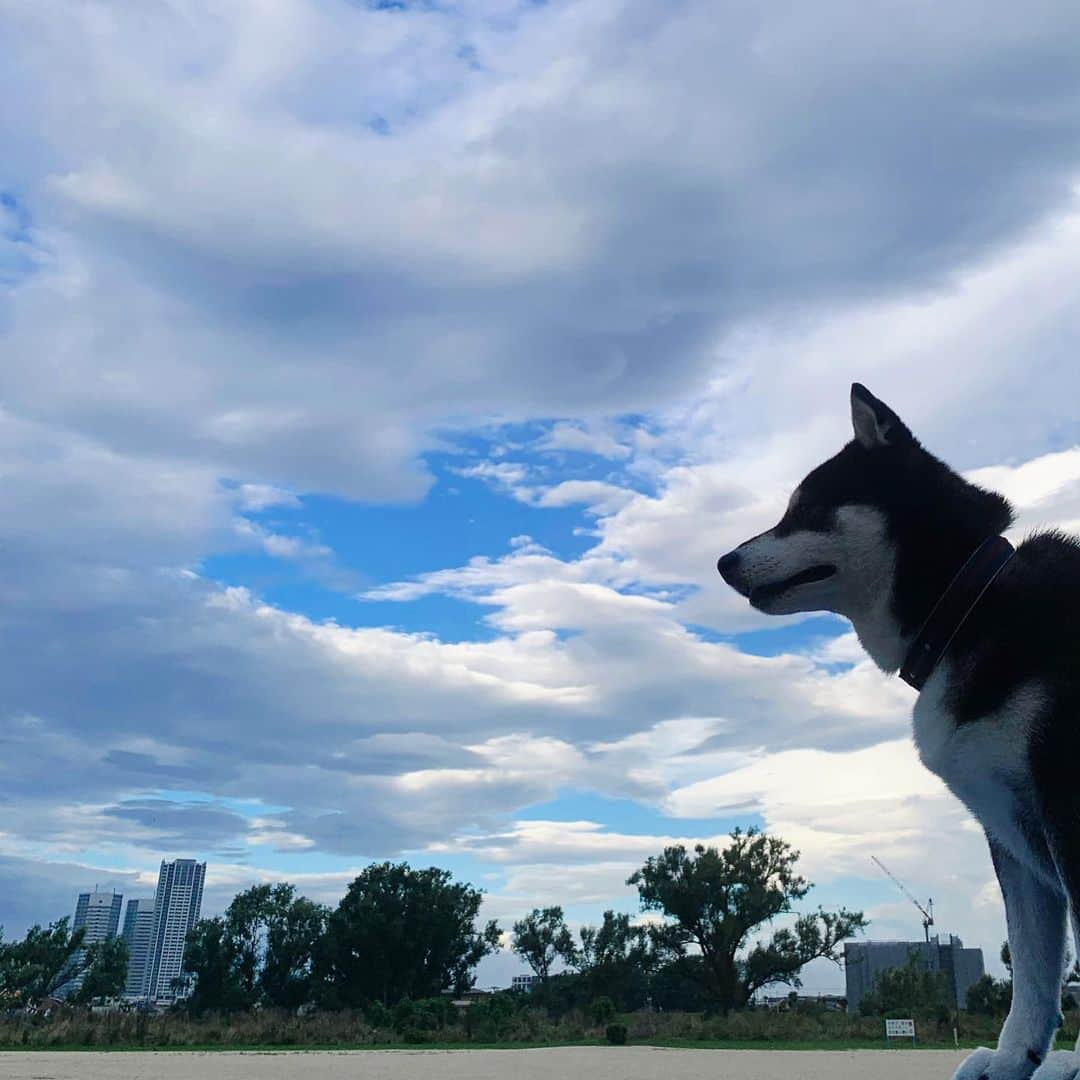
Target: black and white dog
{"type": "Point", "coordinates": [890, 537]}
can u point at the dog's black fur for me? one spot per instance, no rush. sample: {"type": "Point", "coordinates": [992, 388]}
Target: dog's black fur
{"type": "Point", "coordinates": [1024, 632]}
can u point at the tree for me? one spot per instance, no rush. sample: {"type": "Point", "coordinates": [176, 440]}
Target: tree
{"type": "Point", "coordinates": [989, 995]}
{"type": "Point", "coordinates": [402, 933]}
{"type": "Point", "coordinates": [261, 951]}
{"type": "Point", "coordinates": [105, 965]}
{"type": "Point", "coordinates": [212, 963]}
{"type": "Point", "coordinates": [676, 987]}
{"type": "Point", "coordinates": [716, 899]}
{"type": "Point", "coordinates": [294, 930]}
{"type": "Point", "coordinates": [39, 965]}
{"type": "Point", "coordinates": [615, 941]}
{"type": "Point", "coordinates": [911, 990]}
{"type": "Point", "coordinates": [543, 937]}
{"type": "Point", "coordinates": [615, 960]}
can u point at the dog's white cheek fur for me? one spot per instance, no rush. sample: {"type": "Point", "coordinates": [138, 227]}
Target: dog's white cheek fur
{"type": "Point", "coordinates": [864, 586]}
{"type": "Point", "coordinates": [861, 590]}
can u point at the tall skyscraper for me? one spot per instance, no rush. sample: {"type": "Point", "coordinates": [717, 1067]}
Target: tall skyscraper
{"type": "Point", "coordinates": [177, 904]}
{"type": "Point", "coordinates": [98, 914]}
{"type": "Point", "coordinates": [138, 932]}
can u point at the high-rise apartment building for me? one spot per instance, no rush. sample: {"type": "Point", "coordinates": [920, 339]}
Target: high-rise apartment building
{"type": "Point", "coordinates": [177, 904]}
{"type": "Point", "coordinates": [97, 913]}
{"type": "Point", "coordinates": [138, 932]}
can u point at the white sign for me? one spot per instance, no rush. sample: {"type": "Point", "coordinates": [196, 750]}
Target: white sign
{"type": "Point", "coordinates": [900, 1029]}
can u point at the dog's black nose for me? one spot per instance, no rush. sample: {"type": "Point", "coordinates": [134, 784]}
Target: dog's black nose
{"type": "Point", "coordinates": [727, 563]}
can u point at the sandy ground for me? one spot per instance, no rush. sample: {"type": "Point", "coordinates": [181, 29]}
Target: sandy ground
{"type": "Point", "coordinates": [557, 1063]}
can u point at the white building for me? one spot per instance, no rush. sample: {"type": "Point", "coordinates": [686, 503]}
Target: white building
{"type": "Point", "coordinates": [177, 904]}
{"type": "Point", "coordinates": [98, 914]}
{"type": "Point", "coordinates": [138, 932]}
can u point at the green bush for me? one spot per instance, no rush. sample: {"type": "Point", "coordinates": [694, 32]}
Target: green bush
{"type": "Point", "coordinates": [616, 1034]}
{"type": "Point", "coordinates": [427, 1014]}
{"type": "Point", "coordinates": [378, 1015]}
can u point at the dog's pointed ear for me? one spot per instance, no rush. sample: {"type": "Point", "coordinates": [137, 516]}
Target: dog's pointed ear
{"type": "Point", "coordinates": [875, 424]}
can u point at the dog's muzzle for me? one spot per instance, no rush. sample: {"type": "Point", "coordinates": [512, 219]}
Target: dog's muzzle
{"type": "Point", "coordinates": [728, 566]}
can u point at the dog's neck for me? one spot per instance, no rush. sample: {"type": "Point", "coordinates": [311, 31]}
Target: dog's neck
{"type": "Point", "coordinates": [880, 634]}
{"type": "Point", "coordinates": [886, 627]}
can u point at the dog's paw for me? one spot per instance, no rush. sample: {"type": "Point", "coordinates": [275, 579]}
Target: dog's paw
{"type": "Point", "coordinates": [1060, 1065]}
{"type": "Point", "coordinates": [984, 1064]}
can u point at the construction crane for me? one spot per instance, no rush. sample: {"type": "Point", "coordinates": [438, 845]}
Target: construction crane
{"type": "Point", "coordinates": [926, 912]}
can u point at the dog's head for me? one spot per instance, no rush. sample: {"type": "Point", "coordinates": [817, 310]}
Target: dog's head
{"type": "Point", "coordinates": [882, 503]}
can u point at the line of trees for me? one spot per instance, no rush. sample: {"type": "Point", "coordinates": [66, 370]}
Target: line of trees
{"type": "Point", "coordinates": [401, 934]}
{"type": "Point", "coordinates": [397, 934]}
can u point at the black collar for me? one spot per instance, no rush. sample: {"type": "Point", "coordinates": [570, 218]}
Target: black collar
{"type": "Point", "coordinates": [955, 605]}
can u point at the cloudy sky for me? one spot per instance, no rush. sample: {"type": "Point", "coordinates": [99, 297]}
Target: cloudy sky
{"type": "Point", "coordinates": [380, 381]}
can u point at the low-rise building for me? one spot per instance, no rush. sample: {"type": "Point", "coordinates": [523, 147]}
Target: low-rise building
{"type": "Point", "coordinates": [865, 960]}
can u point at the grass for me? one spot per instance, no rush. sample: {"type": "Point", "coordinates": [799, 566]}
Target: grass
{"type": "Point", "coordinates": [520, 1028]}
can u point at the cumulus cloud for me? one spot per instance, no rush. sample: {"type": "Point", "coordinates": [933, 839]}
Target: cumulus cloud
{"type": "Point", "coordinates": [238, 267]}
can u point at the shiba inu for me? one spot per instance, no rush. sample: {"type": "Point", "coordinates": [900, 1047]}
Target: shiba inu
{"type": "Point", "coordinates": [890, 537]}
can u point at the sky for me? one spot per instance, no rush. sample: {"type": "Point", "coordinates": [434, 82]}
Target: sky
{"type": "Point", "coordinates": [380, 382]}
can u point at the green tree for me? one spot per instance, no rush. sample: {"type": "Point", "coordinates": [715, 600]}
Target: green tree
{"type": "Point", "coordinates": [616, 959]}
{"type": "Point", "coordinates": [402, 933]}
{"type": "Point", "coordinates": [543, 937]}
{"type": "Point", "coordinates": [910, 991]}
{"type": "Point", "coordinates": [245, 923]}
{"type": "Point", "coordinates": [212, 965]}
{"type": "Point", "coordinates": [294, 930]}
{"type": "Point", "coordinates": [989, 996]}
{"type": "Point", "coordinates": [105, 966]}
{"type": "Point", "coordinates": [260, 951]}
{"type": "Point", "coordinates": [715, 899]}
{"type": "Point", "coordinates": [676, 986]}
{"type": "Point", "coordinates": [39, 965]}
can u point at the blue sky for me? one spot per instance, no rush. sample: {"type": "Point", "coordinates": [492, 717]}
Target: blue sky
{"type": "Point", "coordinates": [380, 383]}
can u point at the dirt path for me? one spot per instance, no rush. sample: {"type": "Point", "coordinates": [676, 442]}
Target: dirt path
{"type": "Point", "coordinates": [556, 1063]}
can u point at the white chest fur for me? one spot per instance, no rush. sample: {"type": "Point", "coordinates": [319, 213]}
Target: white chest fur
{"type": "Point", "coordinates": [984, 762]}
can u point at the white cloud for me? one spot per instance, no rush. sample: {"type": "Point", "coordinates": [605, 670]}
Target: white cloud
{"type": "Point", "coordinates": [598, 496]}
{"type": "Point", "coordinates": [573, 207]}
{"type": "Point", "coordinates": [583, 439]}
{"type": "Point", "coordinates": [1045, 491]}
{"type": "Point", "coordinates": [253, 498]}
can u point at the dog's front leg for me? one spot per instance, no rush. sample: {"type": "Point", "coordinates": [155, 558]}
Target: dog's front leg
{"type": "Point", "coordinates": [1061, 810]}
{"type": "Point", "coordinates": [1035, 914]}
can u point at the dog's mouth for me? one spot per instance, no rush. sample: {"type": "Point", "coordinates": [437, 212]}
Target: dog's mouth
{"type": "Point", "coordinates": [764, 593]}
